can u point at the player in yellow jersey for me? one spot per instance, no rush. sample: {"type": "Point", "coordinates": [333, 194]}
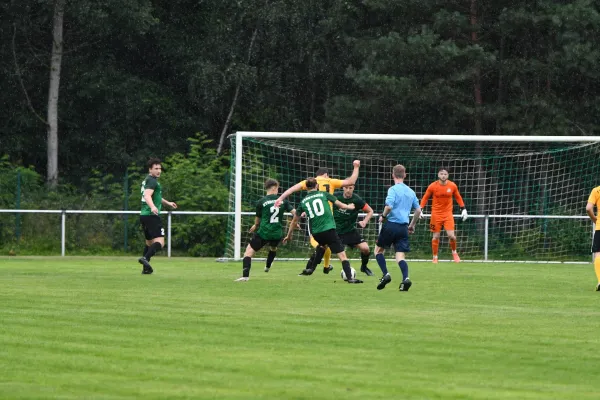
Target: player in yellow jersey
{"type": "Point", "coordinates": [594, 200]}
{"type": "Point", "coordinates": [325, 184]}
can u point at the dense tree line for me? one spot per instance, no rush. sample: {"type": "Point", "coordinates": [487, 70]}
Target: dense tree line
{"type": "Point", "coordinates": [139, 77]}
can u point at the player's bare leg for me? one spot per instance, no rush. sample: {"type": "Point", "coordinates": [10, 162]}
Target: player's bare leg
{"type": "Point", "coordinates": [435, 246]}
{"type": "Point", "coordinates": [452, 239]}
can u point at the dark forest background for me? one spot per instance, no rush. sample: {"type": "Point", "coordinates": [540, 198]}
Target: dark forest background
{"type": "Point", "coordinates": [140, 78]}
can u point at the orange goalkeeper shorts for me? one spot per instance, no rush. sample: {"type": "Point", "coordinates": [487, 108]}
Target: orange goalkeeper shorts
{"type": "Point", "coordinates": [437, 222]}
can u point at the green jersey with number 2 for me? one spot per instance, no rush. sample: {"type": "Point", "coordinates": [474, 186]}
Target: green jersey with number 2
{"type": "Point", "coordinates": [271, 217]}
{"type": "Point", "coordinates": [317, 209]}
{"type": "Point", "coordinates": [151, 183]}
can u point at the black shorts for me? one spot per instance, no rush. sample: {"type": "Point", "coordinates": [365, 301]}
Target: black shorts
{"type": "Point", "coordinates": [329, 238]}
{"type": "Point", "coordinates": [351, 239]}
{"type": "Point", "coordinates": [395, 234]}
{"type": "Point", "coordinates": [152, 225]}
{"type": "Point", "coordinates": [596, 242]}
{"type": "Point", "coordinates": [258, 242]}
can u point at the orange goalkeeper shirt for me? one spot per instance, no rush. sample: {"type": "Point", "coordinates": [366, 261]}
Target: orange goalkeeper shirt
{"type": "Point", "coordinates": [442, 197]}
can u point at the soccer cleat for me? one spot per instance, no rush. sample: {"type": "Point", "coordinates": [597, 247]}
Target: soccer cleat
{"type": "Point", "coordinates": [147, 267]}
{"type": "Point", "coordinates": [267, 269]}
{"type": "Point", "coordinates": [598, 288]}
{"type": "Point", "coordinates": [306, 271]}
{"type": "Point", "coordinates": [456, 257]}
{"type": "Point", "coordinates": [327, 270]}
{"type": "Point", "coordinates": [366, 270]}
{"type": "Point", "coordinates": [384, 281]}
{"type": "Point", "coordinates": [242, 279]}
{"type": "Point", "coordinates": [354, 281]}
{"type": "Point", "coordinates": [405, 285]}
{"type": "Point", "coordinates": [435, 260]}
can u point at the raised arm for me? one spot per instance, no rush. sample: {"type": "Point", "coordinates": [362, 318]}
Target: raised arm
{"type": "Point", "coordinates": [296, 188]}
{"type": "Point", "coordinates": [351, 180]}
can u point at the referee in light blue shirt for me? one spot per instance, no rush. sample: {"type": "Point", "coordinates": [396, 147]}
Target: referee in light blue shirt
{"type": "Point", "coordinates": [399, 202]}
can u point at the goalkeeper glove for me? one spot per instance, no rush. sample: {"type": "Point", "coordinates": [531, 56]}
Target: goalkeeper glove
{"type": "Point", "coordinates": [464, 214]}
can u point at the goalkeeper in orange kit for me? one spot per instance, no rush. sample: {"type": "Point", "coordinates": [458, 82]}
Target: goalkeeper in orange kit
{"type": "Point", "coordinates": [442, 192]}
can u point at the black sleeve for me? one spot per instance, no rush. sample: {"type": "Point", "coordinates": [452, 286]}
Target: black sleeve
{"type": "Point", "coordinates": [151, 183]}
{"type": "Point", "coordinates": [359, 203]}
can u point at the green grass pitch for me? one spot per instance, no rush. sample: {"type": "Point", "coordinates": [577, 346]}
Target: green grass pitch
{"type": "Point", "coordinates": [73, 328]}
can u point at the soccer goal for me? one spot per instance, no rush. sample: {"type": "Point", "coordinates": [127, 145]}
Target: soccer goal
{"type": "Point", "coordinates": [525, 195]}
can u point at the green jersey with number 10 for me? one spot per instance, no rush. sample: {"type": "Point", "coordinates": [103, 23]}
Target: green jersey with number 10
{"type": "Point", "coordinates": [317, 209]}
{"type": "Point", "coordinates": [271, 217]}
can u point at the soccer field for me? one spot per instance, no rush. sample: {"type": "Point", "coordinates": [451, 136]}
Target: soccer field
{"type": "Point", "coordinates": [97, 328]}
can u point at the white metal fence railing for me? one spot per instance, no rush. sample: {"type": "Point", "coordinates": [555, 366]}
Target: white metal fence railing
{"type": "Point", "coordinates": [63, 221]}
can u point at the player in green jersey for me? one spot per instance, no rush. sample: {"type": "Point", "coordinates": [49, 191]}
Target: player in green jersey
{"type": "Point", "coordinates": [267, 227]}
{"type": "Point", "coordinates": [152, 202]}
{"type": "Point", "coordinates": [321, 224]}
{"type": "Point", "coordinates": [345, 222]}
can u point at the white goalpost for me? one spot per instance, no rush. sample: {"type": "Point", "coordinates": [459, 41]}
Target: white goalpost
{"type": "Point", "coordinates": [526, 195]}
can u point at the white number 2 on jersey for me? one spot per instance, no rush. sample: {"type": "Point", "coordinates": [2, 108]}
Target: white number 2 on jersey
{"type": "Point", "coordinates": [274, 215]}
{"type": "Point", "coordinates": [142, 190]}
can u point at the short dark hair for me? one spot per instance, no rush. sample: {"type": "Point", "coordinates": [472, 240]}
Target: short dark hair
{"type": "Point", "coordinates": [269, 183]}
{"type": "Point", "coordinates": [399, 171]}
{"type": "Point", "coordinates": [322, 171]}
{"type": "Point", "coordinates": [443, 169]}
{"type": "Point", "coordinates": [311, 183]}
{"type": "Point", "coordinates": [152, 162]}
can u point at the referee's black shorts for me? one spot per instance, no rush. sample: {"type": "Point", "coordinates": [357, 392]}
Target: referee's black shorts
{"type": "Point", "coordinates": [329, 238]}
{"type": "Point", "coordinates": [396, 234]}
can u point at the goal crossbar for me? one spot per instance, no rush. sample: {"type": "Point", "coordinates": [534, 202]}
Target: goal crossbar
{"type": "Point", "coordinates": [240, 135]}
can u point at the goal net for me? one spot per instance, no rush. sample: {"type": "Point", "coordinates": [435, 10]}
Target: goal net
{"type": "Point", "coordinates": [526, 196]}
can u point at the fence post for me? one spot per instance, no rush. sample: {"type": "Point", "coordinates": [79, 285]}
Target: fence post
{"type": "Point", "coordinates": [486, 232]}
{"type": "Point", "coordinates": [169, 234]}
{"type": "Point", "coordinates": [125, 207]}
{"type": "Point", "coordinates": [18, 207]}
{"type": "Point", "coordinates": [63, 223]}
